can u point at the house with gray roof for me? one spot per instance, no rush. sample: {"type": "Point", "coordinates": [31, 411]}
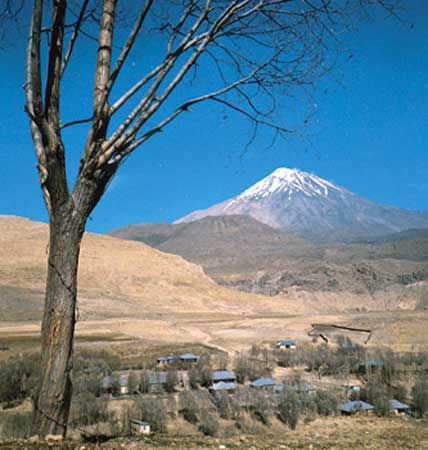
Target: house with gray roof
{"type": "Point", "coordinates": [140, 426]}
{"type": "Point", "coordinates": [286, 344]}
{"type": "Point", "coordinates": [222, 386]}
{"type": "Point", "coordinates": [263, 383]}
{"type": "Point", "coordinates": [356, 407]}
{"type": "Point", "coordinates": [397, 407]}
{"type": "Point", "coordinates": [223, 375]}
{"type": "Point", "coordinates": [185, 358]}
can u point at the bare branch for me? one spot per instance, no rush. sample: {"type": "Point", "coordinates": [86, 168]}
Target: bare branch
{"type": "Point", "coordinates": [74, 36]}
{"type": "Point", "coordinates": [129, 43]}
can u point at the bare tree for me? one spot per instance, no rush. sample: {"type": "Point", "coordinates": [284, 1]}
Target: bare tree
{"type": "Point", "coordinates": [254, 51]}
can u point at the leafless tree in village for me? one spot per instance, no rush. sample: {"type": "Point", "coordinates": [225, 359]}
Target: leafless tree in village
{"type": "Point", "coordinates": [254, 51]}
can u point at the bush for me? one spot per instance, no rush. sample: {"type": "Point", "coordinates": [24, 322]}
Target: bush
{"type": "Point", "coordinates": [153, 411]}
{"type": "Point", "coordinates": [261, 408]}
{"type": "Point", "coordinates": [420, 396]}
{"type": "Point", "coordinates": [289, 408]}
{"type": "Point", "coordinates": [326, 403]}
{"type": "Point", "coordinates": [223, 406]}
{"type": "Point", "coordinates": [189, 407]}
{"type": "Point", "coordinates": [87, 410]}
{"type": "Point", "coordinates": [16, 426]}
{"type": "Point", "coordinates": [171, 381]}
{"type": "Point", "coordinates": [18, 377]}
{"type": "Point", "coordinates": [209, 424]}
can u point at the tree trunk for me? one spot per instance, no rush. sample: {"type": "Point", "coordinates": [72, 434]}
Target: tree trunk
{"type": "Point", "coordinates": [52, 402]}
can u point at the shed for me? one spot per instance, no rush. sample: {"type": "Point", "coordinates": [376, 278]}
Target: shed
{"type": "Point", "coordinates": [188, 358]}
{"type": "Point", "coordinates": [263, 383]}
{"type": "Point", "coordinates": [140, 427]}
{"type": "Point", "coordinates": [222, 386]}
{"type": "Point", "coordinates": [356, 407]}
{"type": "Point", "coordinates": [286, 344]}
{"type": "Point", "coordinates": [123, 385]}
{"type": "Point", "coordinates": [107, 385]}
{"type": "Point", "coordinates": [223, 375]}
{"type": "Point", "coordinates": [397, 407]}
{"type": "Point", "coordinates": [371, 365]}
{"type": "Point", "coordinates": [165, 360]}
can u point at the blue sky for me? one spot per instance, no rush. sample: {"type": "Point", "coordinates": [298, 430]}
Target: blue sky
{"type": "Point", "coordinates": [370, 135]}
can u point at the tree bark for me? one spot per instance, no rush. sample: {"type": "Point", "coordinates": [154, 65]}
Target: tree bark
{"type": "Point", "coordinates": [52, 402]}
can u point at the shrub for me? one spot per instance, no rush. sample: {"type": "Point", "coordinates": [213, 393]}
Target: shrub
{"type": "Point", "coordinates": [16, 426]}
{"type": "Point", "coordinates": [261, 408]}
{"type": "Point", "coordinates": [153, 411]}
{"type": "Point", "coordinates": [189, 407]}
{"type": "Point", "coordinates": [87, 410]}
{"type": "Point", "coordinates": [144, 383]}
{"type": "Point", "coordinates": [420, 396]}
{"type": "Point", "coordinates": [289, 408]}
{"type": "Point", "coordinates": [18, 377]}
{"type": "Point", "coordinates": [209, 424]}
{"type": "Point", "coordinates": [171, 381]}
{"type": "Point", "coordinates": [326, 403]}
{"type": "Point", "coordinates": [223, 406]}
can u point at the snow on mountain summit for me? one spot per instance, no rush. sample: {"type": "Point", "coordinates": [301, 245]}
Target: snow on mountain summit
{"type": "Point", "coordinates": [304, 204]}
{"type": "Point", "coordinates": [289, 182]}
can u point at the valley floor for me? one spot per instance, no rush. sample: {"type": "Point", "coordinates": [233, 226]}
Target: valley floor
{"type": "Point", "coordinates": [399, 330]}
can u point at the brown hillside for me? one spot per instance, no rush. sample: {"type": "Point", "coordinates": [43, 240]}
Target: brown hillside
{"type": "Point", "coordinates": [116, 278]}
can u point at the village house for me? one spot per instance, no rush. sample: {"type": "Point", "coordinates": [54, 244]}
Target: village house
{"type": "Point", "coordinates": [140, 427]}
{"type": "Point", "coordinates": [184, 358]}
{"type": "Point", "coordinates": [263, 383]}
{"type": "Point", "coordinates": [356, 407]}
{"type": "Point", "coordinates": [157, 381]}
{"type": "Point", "coordinates": [223, 375]}
{"type": "Point", "coordinates": [353, 390]}
{"type": "Point", "coordinates": [222, 386]}
{"type": "Point", "coordinates": [397, 407]}
{"type": "Point", "coordinates": [107, 386]}
{"type": "Point", "coordinates": [286, 344]}
{"type": "Point", "coordinates": [370, 365]}
{"type": "Point", "coordinates": [123, 385]}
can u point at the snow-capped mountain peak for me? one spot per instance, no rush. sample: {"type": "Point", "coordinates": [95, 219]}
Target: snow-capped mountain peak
{"type": "Point", "coordinates": [289, 182]}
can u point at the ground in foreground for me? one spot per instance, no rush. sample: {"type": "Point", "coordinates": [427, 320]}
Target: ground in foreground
{"type": "Point", "coordinates": [327, 433]}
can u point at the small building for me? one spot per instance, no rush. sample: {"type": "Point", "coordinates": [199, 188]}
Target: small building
{"type": "Point", "coordinates": [370, 365]}
{"type": "Point", "coordinates": [304, 387]}
{"type": "Point", "coordinates": [286, 344]}
{"type": "Point", "coordinates": [123, 385]}
{"type": "Point", "coordinates": [185, 358]}
{"type": "Point", "coordinates": [222, 386]}
{"type": "Point", "coordinates": [107, 386]}
{"type": "Point", "coordinates": [353, 390]}
{"type": "Point", "coordinates": [223, 375]}
{"type": "Point", "coordinates": [140, 427]}
{"type": "Point", "coordinates": [157, 381]}
{"type": "Point", "coordinates": [356, 407]}
{"type": "Point", "coordinates": [188, 358]}
{"type": "Point", "coordinates": [397, 407]}
{"type": "Point", "coordinates": [263, 383]}
{"type": "Point", "coordinates": [166, 360]}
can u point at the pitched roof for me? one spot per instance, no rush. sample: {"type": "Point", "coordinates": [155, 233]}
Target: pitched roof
{"type": "Point", "coordinates": [107, 382]}
{"type": "Point", "coordinates": [395, 404]}
{"type": "Point", "coordinates": [222, 386]}
{"type": "Point", "coordinates": [140, 422]}
{"type": "Point", "coordinates": [357, 405]}
{"type": "Point", "coordinates": [263, 382]}
{"type": "Point", "coordinates": [187, 356]}
{"type": "Point", "coordinates": [220, 375]}
{"type": "Point", "coordinates": [286, 342]}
